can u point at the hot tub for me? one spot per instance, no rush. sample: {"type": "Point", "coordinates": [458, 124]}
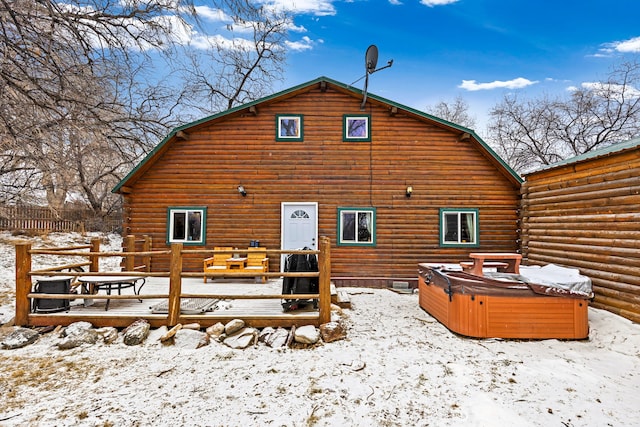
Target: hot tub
{"type": "Point", "coordinates": [507, 306]}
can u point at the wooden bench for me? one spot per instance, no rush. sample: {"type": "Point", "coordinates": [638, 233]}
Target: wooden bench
{"type": "Point", "coordinates": [223, 261]}
{"type": "Point", "coordinates": [257, 261]}
{"type": "Point", "coordinates": [218, 262]}
{"type": "Point", "coordinates": [504, 262]}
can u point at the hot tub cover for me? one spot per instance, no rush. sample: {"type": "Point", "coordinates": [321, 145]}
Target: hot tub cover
{"type": "Point", "coordinates": [553, 279]}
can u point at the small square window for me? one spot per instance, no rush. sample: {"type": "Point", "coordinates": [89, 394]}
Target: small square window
{"type": "Point", "coordinates": [459, 227]}
{"type": "Point", "coordinates": [186, 225]}
{"type": "Point", "coordinates": [356, 226]}
{"type": "Point", "coordinates": [356, 128]}
{"type": "Point", "coordinates": [289, 127]}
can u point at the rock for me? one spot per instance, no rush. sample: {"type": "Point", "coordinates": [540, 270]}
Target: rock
{"type": "Point", "coordinates": [136, 332]}
{"type": "Point", "coordinates": [278, 338]}
{"type": "Point", "coordinates": [76, 328]}
{"type": "Point", "coordinates": [265, 333]}
{"type": "Point", "coordinates": [332, 331]}
{"type": "Point", "coordinates": [190, 339]}
{"type": "Point", "coordinates": [233, 326]}
{"type": "Point", "coordinates": [171, 333]}
{"type": "Point", "coordinates": [215, 330]}
{"type": "Point", "coordinates": [19, 337]}
{"type": "Point", "coordinates": [306, 335]}
{"type": "Point", "coordinates": [195, 326]}
{"type": "Point", "coordinates": [242, 339]}
{"type": "Point", "coordinates": [155, 335]}
{"type": "Point", "coordinates": [77, 334]}
{"type": "Point", "coordinates": [109, 334]}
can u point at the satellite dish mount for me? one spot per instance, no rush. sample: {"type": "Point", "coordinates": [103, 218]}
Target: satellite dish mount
{"type": "Point", "coordinates": [370, 64]}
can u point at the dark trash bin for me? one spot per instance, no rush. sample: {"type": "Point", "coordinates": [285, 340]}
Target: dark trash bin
{"type": "Point", "coordinates": [300, 285]}
{"type": "Point", "coordinates": [52, 285]}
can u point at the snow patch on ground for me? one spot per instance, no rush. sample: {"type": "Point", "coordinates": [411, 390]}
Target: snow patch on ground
{"type": "Point", "coordinates": [397, 367]}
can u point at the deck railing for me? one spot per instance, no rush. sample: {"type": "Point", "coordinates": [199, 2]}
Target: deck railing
{"type": "Point", "coordinates": [24, 293]}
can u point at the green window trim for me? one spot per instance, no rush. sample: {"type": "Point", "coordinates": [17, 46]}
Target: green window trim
{"type": "Point", "coordinates": [356, 226]}
{"type": "Point", "coordinates": [187, 225]}
{"type": "Point", "coordinates": [356, 128]}
{"type": "Point", "coordinates": [459, 227]}
{"type": "Point", "coordinates": [289, 127]}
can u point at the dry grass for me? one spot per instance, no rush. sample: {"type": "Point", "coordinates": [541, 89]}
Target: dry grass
{"type": "Point", "coordinates": [20, 375]}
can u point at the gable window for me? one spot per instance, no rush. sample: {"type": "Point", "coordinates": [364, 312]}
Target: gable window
{"type": "Point", "coordinates": [357, 226]}
{"type": "Point", "coordinates": [289, 127]}
{"type": "Point", "coordinates": [459, 227]}
{"type": "Point", "coordinates": [186, 225]}
{"type": "Point", "coordinates": [356, 128]}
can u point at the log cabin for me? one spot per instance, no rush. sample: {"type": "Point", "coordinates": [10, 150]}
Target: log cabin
{"type": "Point", "coordinates": [584, 213]}
{"type": "Point", "coordinates": [391, 186]}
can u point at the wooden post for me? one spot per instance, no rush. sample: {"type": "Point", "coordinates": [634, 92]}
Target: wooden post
{"type": "Point", "coordinates": [130, 246]}
{"type": "Point", "coordinates": [95, 259]}
{"type": "Point", "coordinates": [175, 284]}
{"type": "Point", "coordinates": [23, 283]}
{"type": "Point", "coordinates": [324, 266]}
{"type": "Point", "coordinates": [148, 244]}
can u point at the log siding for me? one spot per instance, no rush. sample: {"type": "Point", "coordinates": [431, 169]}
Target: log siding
{"type": "Point", "coordinates": [586, 215]}
{"type": "Point", "coordinates": [406, 149]}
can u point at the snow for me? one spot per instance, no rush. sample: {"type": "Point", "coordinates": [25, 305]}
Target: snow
{"type": "Point", "coordinates": [397, 367]}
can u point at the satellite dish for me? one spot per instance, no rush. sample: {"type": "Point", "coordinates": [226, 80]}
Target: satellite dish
{"type": "Point", "coordinates": [371, 58]}
{"type": "Point", "coordinates": [370, 63]}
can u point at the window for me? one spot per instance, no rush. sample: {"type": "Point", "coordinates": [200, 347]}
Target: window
{"type": "Point", "coordinates": [459, 227]}
{"type": "Point", "coordinates": [186, 225]}
{"type": "Point", "coordinates": [289, 128]}
{"type": "Point", "coordinates": [356, 128]}
{"type": "Point", "coordinates": [357, 226]}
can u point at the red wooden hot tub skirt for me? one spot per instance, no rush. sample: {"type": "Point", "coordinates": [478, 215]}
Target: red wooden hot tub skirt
{"type": "Point", "coordinates": [471, 306]}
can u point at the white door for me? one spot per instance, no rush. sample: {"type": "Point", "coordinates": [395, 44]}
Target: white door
{"type": "Point", "coordinates": [299, 226]}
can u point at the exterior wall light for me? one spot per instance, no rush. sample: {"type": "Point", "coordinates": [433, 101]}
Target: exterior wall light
{"type": "Point", "coordinates": [242, 191]}
{"type": "Point", "coordinates": [409, 191]}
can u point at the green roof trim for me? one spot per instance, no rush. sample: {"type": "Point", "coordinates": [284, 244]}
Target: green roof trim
{"type": "Point", "coordinates": [276, 95]}
{"type": "Point", "coordinates": [610, 149]}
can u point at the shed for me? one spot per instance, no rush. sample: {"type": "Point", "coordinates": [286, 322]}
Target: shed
{"type": "Point", "coordinates": [391, 186]}
{"type": "Point", "coordinates": [584, 213]}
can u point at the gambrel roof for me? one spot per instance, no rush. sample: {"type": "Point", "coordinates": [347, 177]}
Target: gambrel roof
{"type": "Point", "coordinates": [323, 82]}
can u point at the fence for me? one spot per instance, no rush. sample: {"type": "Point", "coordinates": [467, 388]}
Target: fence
{"type": "Point", "coordinates": [43, 219]}
{"type": "Point", "coordinates": [98, 318]}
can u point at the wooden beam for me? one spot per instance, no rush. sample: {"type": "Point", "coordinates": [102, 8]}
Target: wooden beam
{"type": "Point", "coordinates": [182, 135]}
{"type": "Point", "coordinates": [323, 86]}
{"type": "Point", "coordinates": [23, 283]}
{"type": "Point", "coordinates": [253, 110]}
{"type": "Point", "coordinates": [175, 284]}
{"type": "Point", "coordinates": [464, 137]}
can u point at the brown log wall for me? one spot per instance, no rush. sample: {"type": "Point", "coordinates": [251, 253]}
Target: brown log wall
{"type": "Point", "coordinates": [206, 168]}
{"type": "Point", "coordinates": [587, 216]}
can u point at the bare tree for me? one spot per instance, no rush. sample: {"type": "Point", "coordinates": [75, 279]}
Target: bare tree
{"type": "Point", "coordinates": [79, 105]}
{"type": "Point", "coordinates": [456, 112]}
{"type": "Point", "coordinates": [245, 64]}
{"type": "Point", "coordinates": [533, 133]}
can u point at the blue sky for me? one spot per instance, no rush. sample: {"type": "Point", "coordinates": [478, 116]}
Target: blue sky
{"type": "Point", "coordinates": [476, 49]}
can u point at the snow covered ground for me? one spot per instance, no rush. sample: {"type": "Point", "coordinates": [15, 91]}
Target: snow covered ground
{"type": "Point", "coordinates": [398, 367]}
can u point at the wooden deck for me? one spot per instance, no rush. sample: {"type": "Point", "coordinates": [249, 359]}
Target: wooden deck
{"type": "Point", "coordinates": [231, 296]}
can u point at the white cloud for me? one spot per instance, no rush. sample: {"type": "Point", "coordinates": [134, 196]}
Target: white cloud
{"type": "Point", "coordinates": [304, 44]}
{"type": "Point", "coordinates": [610, 90]}
{"type": "Point", "coordinates": [213, 14]}
{"type": "Point", "coordinates": [518, 83]}
{"type": "Point", "coordinates": [626, 46]}
{"type": "Point", "coordinates": [395, 2]}
{"type": "Point", "coordinates": [309, 7]}
{"type": "Point", "coordinates": [432, 3]}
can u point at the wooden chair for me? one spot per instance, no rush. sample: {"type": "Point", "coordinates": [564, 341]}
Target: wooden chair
{"type": "Point", "coordinates": [257, 261]}
{"type": "Point", "coordinates": [218, 262]}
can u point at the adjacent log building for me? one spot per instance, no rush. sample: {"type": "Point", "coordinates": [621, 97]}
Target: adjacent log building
{"type": "Point", "coordinates": [389, 185]}
{"type": "Point", "coordinates": [585, 213]}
